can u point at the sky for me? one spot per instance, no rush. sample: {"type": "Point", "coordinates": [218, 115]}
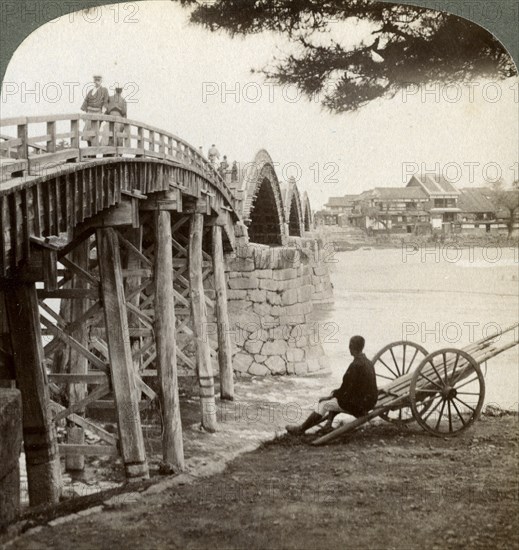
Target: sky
{"type": "Point", "coordinates": [199, 86]}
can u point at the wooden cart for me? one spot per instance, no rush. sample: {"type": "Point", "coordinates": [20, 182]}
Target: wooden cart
{"type": "Point", "coordinates": [443, 391]}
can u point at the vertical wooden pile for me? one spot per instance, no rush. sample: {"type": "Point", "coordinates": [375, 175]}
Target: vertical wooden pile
{"type": "Point", "coordinates": [172, 445]}
{"type": "Point", "coordinates": [39, 435]}
{"type": "Point", "coordinates": [121, 362]}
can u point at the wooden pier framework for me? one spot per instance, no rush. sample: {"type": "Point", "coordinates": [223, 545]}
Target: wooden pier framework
{"type": "Point", "coordinates": [128, 239]}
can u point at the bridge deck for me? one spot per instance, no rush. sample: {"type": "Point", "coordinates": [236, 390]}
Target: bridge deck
{"type": "Point", "coordinates": [49, 182]}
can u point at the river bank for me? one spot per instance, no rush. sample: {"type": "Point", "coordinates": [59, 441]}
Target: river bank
{"type": "Point", "coordinates": [383, 487]}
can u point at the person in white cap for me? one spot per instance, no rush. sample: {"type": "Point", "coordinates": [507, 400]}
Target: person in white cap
{"type": "Point", "coordinates": [95, 102]}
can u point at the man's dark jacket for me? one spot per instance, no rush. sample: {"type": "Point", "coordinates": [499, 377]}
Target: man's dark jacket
{"type": "Point", "coordinates": [358, 392]}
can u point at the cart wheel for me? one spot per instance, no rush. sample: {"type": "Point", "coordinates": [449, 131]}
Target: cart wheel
{"type": "Point", "coordinates": [392, 362]}
{"type": "Point", "coordinates": [450, 386]}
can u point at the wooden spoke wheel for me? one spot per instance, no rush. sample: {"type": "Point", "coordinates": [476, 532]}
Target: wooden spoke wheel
{"type": "Point", "coordinates": [447, 392]}
{"type": "Point", "coordinates": [392, 362]}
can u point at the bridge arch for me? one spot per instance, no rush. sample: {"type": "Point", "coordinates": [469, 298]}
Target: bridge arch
{"type": "Point", "coordinates": [307, 212]}
{"type": "Point", "coordinates": [293, 209]}
{"type": "Point", "coordinates": [263, 210]}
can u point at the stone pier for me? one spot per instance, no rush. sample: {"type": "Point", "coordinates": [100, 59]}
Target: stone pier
{"type": "Point", "coordinates": [271, 295]}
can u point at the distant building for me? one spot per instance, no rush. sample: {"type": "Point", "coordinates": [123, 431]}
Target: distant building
{"type": "Point", "coordinates": [443, 199]}
{"type": "Point", "coordinates": [325, 217]}
{"type": "Point", "coordinates": [476, 205]}
{"type": "Point", "coordinates": [391, 209]}
{"type": "Point", "coordinates": [340, 205]}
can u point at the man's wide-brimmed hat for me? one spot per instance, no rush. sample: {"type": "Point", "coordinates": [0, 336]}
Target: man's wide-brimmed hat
{"type": "Point", "coordinates": [98, 76]}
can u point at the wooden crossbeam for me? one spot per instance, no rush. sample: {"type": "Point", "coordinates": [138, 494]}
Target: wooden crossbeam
{"type": "Point", "coordinates": [136, 311]}
{"type": "Point", "coordinates": [94, 395]}
{"type": "Point", "coordinates": [143, 350]}
{"type": "Point", "coordinates": [72, 342]}
{"type": "Point", "coordinates": [95, 378]}
{"type": "Point", "coordinates": [80, 272]}
{"type": "Point", "coordinates": [92, 315]}
{"type": "Point", "coordinates": [86, 424]}
{"type": "Point", "coordinates": [69, 449]}
{"type": "Point", "coordinates": [69, 294]}
{"type": "Point", "coordinates": [103, 348]}
{"type": "Point", "coordinates": [78, 239]}
{"type": "Point", "coordinates": [134, 250]}
{"type": "Point", "coordinates": [59, 319]}
{"type": "Point", "coordinates": [187, 360]}
{"type": "Point", "coordinates": [179, 223]}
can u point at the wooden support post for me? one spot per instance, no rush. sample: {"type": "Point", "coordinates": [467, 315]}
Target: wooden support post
{"type": "Point", "coordinates": [7, 375]}
{"type": "Point", "coordinates": [118, 339]}
{"type": "Point", "coordinates": [172, 445]}
{"type": "Point", "coordinates": [78, 362]}
{"type": "Point", "coordinates": [203, 355]}
{"type": "Point", "coordinates": [39, 436]}
{"type": "Point", "coordinates": [222, 317]}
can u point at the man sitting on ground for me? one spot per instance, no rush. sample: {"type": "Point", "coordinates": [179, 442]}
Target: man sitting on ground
{"type": "Point", "coordinates": [356, 396]}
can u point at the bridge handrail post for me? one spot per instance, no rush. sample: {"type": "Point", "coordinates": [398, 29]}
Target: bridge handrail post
{"type": "Point", "coordinates": [140, 137]}
{"type": "Point", "coordinates": [23, 134]}
{"type": "Point", "coordinates": [162, 145]}
{"type": "Point", "coordinates": [112, 138]}
{"type": "Point", "coordinates": [151, 141]}
{"type": "Point", "coordinates": [127, 139]}
{"type": "Point", "coordinates": [74, 133]}
{"type": "Point", "coordinates": [169, 147]}
{"type": "Point", "coordinates": [51, 139]}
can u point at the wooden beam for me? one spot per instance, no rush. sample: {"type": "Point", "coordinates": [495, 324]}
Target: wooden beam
{"type": "Point", "coordinates": [69, 293]}
{"type": "Point", "coordinates": [78, 362]}
{"type": "Point", "coordinates": [72, 450]}
{"type": "Point", "coordinates": [121, 364]}
{"type": "Point", "coordinates": [73, 343]}
{"type": "Point", "coordinates": [41, 450]}
{"type": "Point", "coordinates": [172, 445]}
{"type": "Point", "coordinates": [203, 354]}
{"type": "Point", "coordinates": [222, 317]}
{"type": "Point", "coordinates": [91, 377]}
{"type": "Point", "coordinates": [80, 406]}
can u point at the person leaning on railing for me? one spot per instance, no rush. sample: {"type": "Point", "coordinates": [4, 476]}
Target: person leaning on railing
{"type": "Point", "coordinates": [95, 101]}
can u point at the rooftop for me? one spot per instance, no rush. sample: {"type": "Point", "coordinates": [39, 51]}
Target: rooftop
{"type": "Point", "coordinates": [394, 193]}
{"type": "Point", "coordinates": [476, 199]}
{"type": "Point", "coordinates": [345, 200]}
{"type": "Point", "coordinates": [433, 184]}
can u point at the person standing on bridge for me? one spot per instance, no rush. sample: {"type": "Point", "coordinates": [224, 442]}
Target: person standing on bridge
{"type": "Point", "coordinates": [95, 102]}
{"type": "Point", "coordinates": [234, 172]}
{"type": "Point", "coordinates": [356, 396]}
{"type": "Point", "coordinates": [116, 106]}
{"type": "Point", "coordinates": [224, 165]}
{"type": "Point", "coordinates": [213, 154]}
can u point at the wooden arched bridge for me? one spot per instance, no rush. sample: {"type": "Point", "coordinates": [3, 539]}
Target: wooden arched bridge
{"type": "Point", "coordinates": [112, 255]}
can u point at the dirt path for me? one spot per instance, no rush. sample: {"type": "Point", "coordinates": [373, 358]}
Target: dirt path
{"type": "Point", "coordinates": [382, 488]}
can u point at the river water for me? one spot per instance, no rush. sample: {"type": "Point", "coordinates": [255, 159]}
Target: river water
{"type": "Point", "coordinates": [437, 296]}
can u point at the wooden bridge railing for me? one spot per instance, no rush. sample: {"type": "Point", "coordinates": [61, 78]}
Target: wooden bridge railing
{"type": "Point", "coordinates": [35, 150]}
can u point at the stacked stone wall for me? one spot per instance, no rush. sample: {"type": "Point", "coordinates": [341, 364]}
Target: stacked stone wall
{"type": "Point", "coordinates": [271, 291]}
